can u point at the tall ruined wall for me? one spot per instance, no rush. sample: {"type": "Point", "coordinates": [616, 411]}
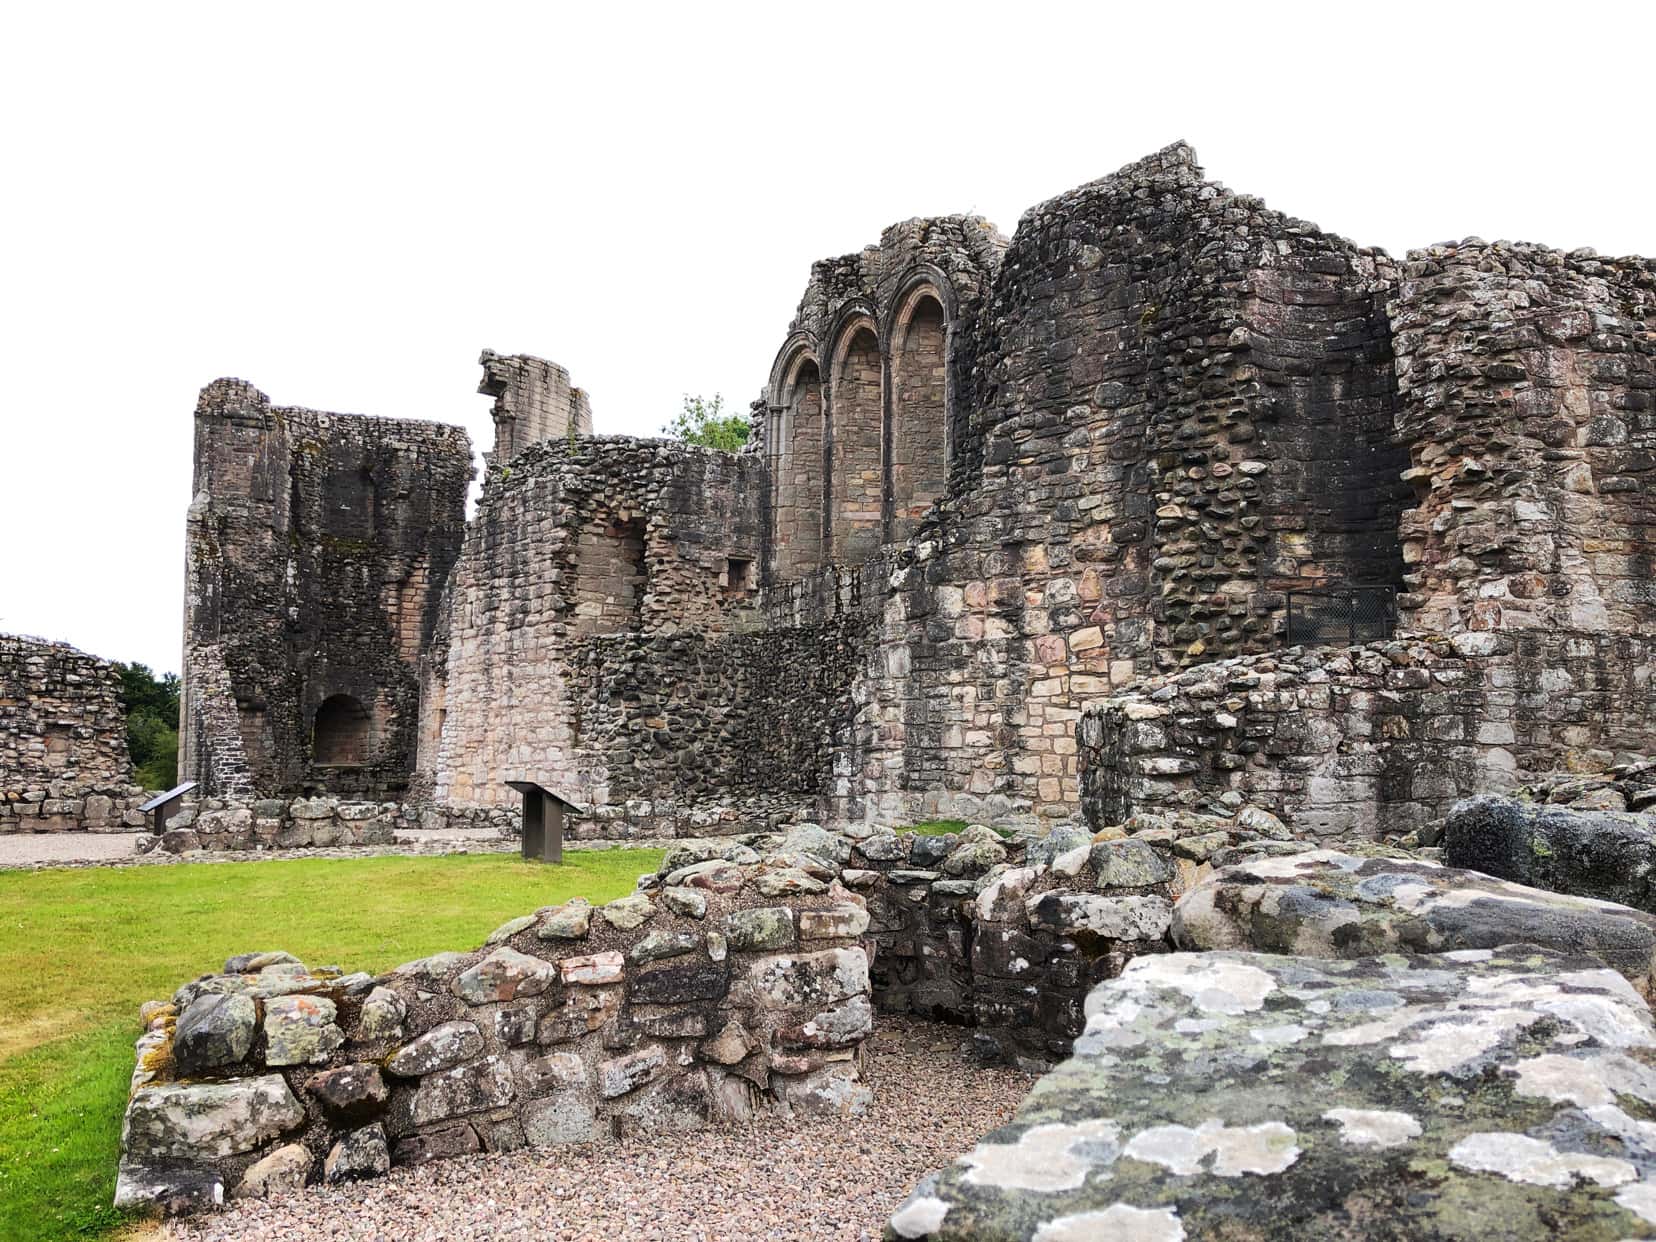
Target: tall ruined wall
{"type": "Point", "coordinates": [1529, 400]}
{"type": "Point", "coordinates": [63, 749]}
{"type": "Point", "coordinates": [1184, 409]}
{"type": "Point", "coordinates": [587, 614]}
{"type": "Point", "coordinates": [534, 401]}
{"type": "Point", "coordinates": [317, 546]}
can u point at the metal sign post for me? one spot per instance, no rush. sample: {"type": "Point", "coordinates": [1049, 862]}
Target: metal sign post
{"type": "Point", "coordinates": [543, 820]}
{"type": "Point", "coordinates": [157, 807]}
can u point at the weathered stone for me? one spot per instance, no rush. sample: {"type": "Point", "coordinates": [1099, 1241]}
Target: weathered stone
{"type": "Point", "coordinates": [678, 981]}
{"type": "Point", "coordinates": [593, 969]}
{"type": "Point", "coordinates": [510, 928]}
{"type": "Point", "coordinates": [253, 963]}
{"type": "Point", "coordinates": [627, 1073]}
{"type": "Point", "coordinates": [583, 1010]}
{"type": "Point", "coordinates": [214, 1032]}
{"type": "Point", "coordinates": [360, 1154]}
{"type": "Point", "coordinates": [443, 1143]}
{"type": "Point", "coordinates": [730, 1045]}
{"type": "Point", "coordinates": [556, 1071]}
{"type": "Point", "coordinates": [787, 981]}
{"type": "Point", "coordinates": [352, 1094]}
{"type": "Point", "coordinates": [763, 927]}
{"type": "Point", "coordinates": [567, 922]}
{"type": "Point", "coordinates": [1598, 854]}
{"type": "Point", "coordinates": [461, 1090]}
{"type": "Point", "coordinates": [439, 1048]}
{"type": "Point", "coordinates": [382, 1016]}
{"type": "Point", "coordinates": [206, 1121]}
{"type": "Point", "coordinates": [834, 923]}
{"type": "Point", "coordinates": [567, 1117]}
{"type": "Point", "coordinates": [1117, 918]}
{"type": "Point", "coordinates": [1129, 864]}
{"type": "Point", "coordinates": [1513, 1075]}
{"type": "Point", "coordinates": [787, 882]}
{"type": "Point", "coordinates": [504, 975]}
{"type": "Point", "coordinates": [660, 944]}
{"type": "Point", "coordinates": [685, 900]}
{"type": "Point", "coordinates": [281, 1172]}
{"type": "Point", "coordinates": [627, 913]}
{"type": "Point", "coordinates": [973, 858]}
{"type": "Point", "coordinates": [170, 1189]}
{"type": "Point", "coordinates": [300, 1030]}
{"type": "Point", "coordinates": [1336, 905]}
{"type": "Point", "coordinates": [840, 1027]}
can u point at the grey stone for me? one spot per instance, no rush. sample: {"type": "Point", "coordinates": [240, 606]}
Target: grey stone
{"type": "Point", "coordinates": [686, 901]}
{"type": "Point", "coordinates": [1221, 1095]}
{"type": "Point", "coordinates": [207, 1121]}
{"type": "Point", "coordinates": [568, 922]}
{"type": "Point", "coordinates": [567, 1117]}
{"type": "Point", "coordinates": [215, 1031]}
{"type": "Point", "coordinates": [663, 944]}
{"type": "Point", "coordinates": [504, 975]}
{"type": "Point", "coordinates": [763, 927]}
{"type": "Point", "coordinates": [1117, 918]}
{"type": "Point", "coordinates": [1129, 864]}
{"type": "Point", "coordinates": [351, 1094]}
{"type": "Point", "coordinates": [834, 923]}
{"type": "Point", "coordinates": [382, 1016]}
{"type": "Point", "coordinates": [1602, 854]}
{"type": "Point", "coordinates": [439, 1048]}
{"type": "Point", "coordinates": [627, 913]}
{"type": "Point", "coordinates": [464, 1089]}
{"type": "Point", "coordinates": [1337, 905]}
{"type": "Point", "coordinates": [627, 1073]}
{"type": "Point", "coordinates": [300, 1030]}
{"type": "Point", "coordinates": [281, 1172]}
{"type": "Point", "coordinates": [360, 1154]}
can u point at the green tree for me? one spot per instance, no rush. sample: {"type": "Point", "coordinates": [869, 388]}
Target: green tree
{"type": "Point", "coordinates": [152, 724]}
{"type": "Point", "coordinates": [705, 423]}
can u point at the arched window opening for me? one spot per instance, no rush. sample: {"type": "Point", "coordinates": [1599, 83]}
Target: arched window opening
{"type": "Point", "coordinates": [797, 472]}
{"type": "Point", "coordinates": [856, 515]}
{"type": "Point", "coordinates": [344, 733]}
{"type": "Point", "coordinates": [918, 453]}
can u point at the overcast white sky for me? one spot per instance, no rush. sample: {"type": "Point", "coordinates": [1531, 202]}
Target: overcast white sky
{"type": "Point", "coordinates": [344, 202]}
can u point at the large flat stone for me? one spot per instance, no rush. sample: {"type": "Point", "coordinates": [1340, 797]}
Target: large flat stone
{"type": "Point", "coordinates": [1599, 854]}
{"type": "Point", "coordinates": [1327, 904]}
{"type": "Point", "coordinates": [1484, 1094]}
{"type": "Point", "coordinates": [207, 1121]}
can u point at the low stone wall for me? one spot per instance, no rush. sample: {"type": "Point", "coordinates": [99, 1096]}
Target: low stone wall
{"type": "Point", "coordinates": [721, 990]}
{"type": "Point", "coordinates": [1366, 742]}
{"type": "Point", "coordinates": [70, 806]}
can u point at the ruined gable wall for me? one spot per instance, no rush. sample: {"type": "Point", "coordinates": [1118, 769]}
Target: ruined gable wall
{"type": "Point", "coordinates": [317, 546]}
{"type": "Point", "coordinates": [1181, 411]}
{"type": "Point", "coordinates": [63, 749]}
{"type": "Point", "coordinates": [598, 638]}
{"type": "Point", "coordinates": [534, 401]}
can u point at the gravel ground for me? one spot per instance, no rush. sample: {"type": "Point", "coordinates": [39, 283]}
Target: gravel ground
{"type": "Point", "coordinates": [829, 1180]}
{"type": "Point", "coordinates": [33, 851]}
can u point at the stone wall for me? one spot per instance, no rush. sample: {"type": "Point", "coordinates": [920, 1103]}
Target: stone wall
{"type": "Point", "coordinates": [317, 547]}
{"type": "Point", "coordinates": [63, 750]}
{"type": "Point", "coordinates": [1370, 741]}
{"type": "Point", "coordinates": [1528, 379]}
{"type": "Point", "coordinates": [534, 401]}
{"type": "Point", "coordinates": [721, 990]}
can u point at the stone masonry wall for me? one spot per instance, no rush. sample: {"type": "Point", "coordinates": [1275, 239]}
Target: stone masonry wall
{"type": "Point", "coordinates": [1350, 744]}
{"type": "Point", "coordinates": [1528, 379]}
{"type": "Point", "coordinates": [317, 547]}
{"type": "Point", "coordinates": [534, 401]}
{"type": "Point", "coordinates": [63, 750]}
{"type": "Point", "coordinates": [720, 990]}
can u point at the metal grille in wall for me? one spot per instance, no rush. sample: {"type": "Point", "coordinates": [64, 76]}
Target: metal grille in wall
{"type": "Point", "coordinates": [1341, 615]}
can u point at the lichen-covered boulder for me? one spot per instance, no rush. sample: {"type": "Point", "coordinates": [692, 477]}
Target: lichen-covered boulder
{"type": "Point", "coordinates": [1478, 1094]}
{"type": "Point", "coordinates": [214, 1032]}
{"type": "Point", "coordinates": [1599, 854]}
{"type": "Point", "coordinates": [198, 1121]}
{"type": "Point", "coordinates": [1328, 904]}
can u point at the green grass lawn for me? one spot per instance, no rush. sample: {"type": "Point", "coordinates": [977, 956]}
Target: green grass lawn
{"type": "Point", "coordinates": [80, 950]}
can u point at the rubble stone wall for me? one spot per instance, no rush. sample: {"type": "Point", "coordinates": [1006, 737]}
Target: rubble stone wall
{"type": "Point", "coordinates": [1528, 381]}
{"type": "Point", "coordinates": [1364, 742]}
{"type": "Point", "coordinates": [317, 547]}
{"type": "Point", "coordinates": [63, 750]}
{"type": "Point", "coordinates": [718, 992]}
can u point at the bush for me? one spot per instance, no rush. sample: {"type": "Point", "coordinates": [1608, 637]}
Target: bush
{"type": "Point", "coordinates": [705, 423]}
{"type": "Point", "coordinates": [152, 724]}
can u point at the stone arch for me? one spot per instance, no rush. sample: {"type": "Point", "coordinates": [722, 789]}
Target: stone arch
{"type": "Point", "coordinates": [855, 434]}
{"type": "Point", "coordinates": [343, 733]}
{"type": "Point", "coordinates": [917, 440]}
{"type": "Point", "coordinates": [795, 450]}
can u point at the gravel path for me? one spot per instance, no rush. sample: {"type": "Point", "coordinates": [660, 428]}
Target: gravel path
{"type": "Point", "coordinates": [33, 851]}
{"type": "Point", "coordinates": [829, 1180]}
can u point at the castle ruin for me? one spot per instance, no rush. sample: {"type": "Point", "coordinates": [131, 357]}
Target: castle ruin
{"type": "Point", "coordinates": [1092, 519]}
